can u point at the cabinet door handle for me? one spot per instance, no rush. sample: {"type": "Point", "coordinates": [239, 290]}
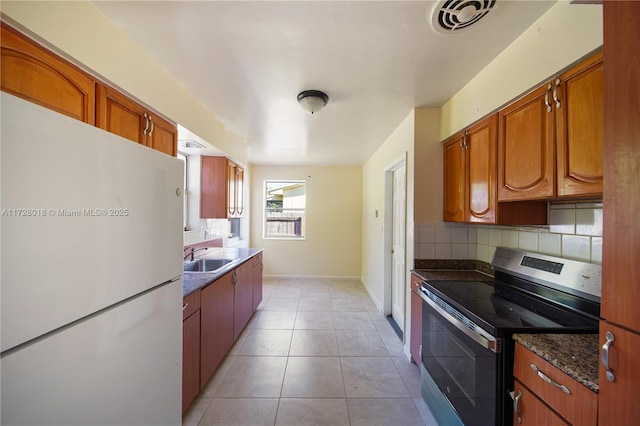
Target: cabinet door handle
{"type": "Point", "coordinates": [146, 124]}
{"type": "Point", "coordinates": [605, 355]}
{"type": "Point", "coordinates": [516, 401]}
{"type": "Point", "coordinates": [152, 126]}
{"type": "Point", "coordinates": [546, 98]}
{"type": "Point", "coordinates": [185, 306]}
{"type": "Point", "coordinates": [549, 380]}
{"type": "Point", "coordinates": [555, 93]}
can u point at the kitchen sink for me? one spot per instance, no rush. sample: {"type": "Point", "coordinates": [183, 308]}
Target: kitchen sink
{"type": "Point", "coordinates": [206, 265]}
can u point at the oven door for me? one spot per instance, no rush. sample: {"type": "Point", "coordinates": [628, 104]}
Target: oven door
{"type": "Point", "coordinates": [460, 376]}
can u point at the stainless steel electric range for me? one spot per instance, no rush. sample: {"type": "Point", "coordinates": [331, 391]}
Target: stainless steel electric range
{"type": "Point", "coordinates": [467, 328]}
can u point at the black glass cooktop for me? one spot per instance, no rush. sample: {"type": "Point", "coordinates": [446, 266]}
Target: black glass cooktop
{"type": "Point", "coordinates": [498, 307]}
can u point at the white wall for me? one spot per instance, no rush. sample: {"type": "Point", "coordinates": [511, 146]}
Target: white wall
{"type": "Point", "coordinates": [332, 247]}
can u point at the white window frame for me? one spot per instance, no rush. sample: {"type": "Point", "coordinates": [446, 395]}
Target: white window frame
{"type": "Point", "coordinates": [303, 211]}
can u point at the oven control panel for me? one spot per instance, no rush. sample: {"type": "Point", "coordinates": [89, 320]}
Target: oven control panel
{"type": "Point", "coordinates": [571, 276]}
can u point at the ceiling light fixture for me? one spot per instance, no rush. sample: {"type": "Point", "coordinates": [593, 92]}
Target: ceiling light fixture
{"type": "Point", "coordinates": [312, 100]}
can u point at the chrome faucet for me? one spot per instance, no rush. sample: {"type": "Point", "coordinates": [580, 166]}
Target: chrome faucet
{"type": "Point", "coordinates": [193, 251]}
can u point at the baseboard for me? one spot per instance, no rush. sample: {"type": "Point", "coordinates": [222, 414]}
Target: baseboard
{"type": "Point", "coordinates": [310, 277]}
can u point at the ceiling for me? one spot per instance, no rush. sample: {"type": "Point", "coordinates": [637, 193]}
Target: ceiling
{"type": "Point", "coordinates": [246, 61]}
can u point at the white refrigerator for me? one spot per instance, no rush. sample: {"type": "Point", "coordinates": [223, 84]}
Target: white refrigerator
{"type": "Point", "coordinates": [90, 274]}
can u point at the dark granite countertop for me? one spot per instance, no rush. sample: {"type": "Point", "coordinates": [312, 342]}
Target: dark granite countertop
{"type": "Point", "coordinates": [193, 281]}
{"type": "Point", "coordinates": [574, 354]}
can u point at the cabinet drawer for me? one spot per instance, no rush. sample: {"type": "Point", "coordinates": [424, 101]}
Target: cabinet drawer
{"type": "Point", "coordinates": [532, 411]}
{"type": "Point", "coordinates": [190, 304]}
{"type": "Point", "coordinates": [579, 406]}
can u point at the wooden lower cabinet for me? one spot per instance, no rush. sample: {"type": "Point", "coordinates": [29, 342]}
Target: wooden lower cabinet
{"type": "Point", "coordinates": [190, 348]}
{"type": "Point", "coordinates": [213, 318]}
{"type": "Point", "coordinates": [415, 339]}
{"type": "Point", "coordinates": [531, 411]}
{"type": "Point", "coordinates": [619, 404]}
{"type": "Point", "coordinates": [216, 325]}
{"type": "Point", "coordinates": [257, 281]}
{"type": "Point", "coordinates": [578, 405]}
{"type": "Point", "coordinates": [243, 297]}
{"type": "Point", "coordinates": [190, 359]}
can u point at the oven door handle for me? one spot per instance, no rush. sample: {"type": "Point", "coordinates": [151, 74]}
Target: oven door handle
{"type": "Point", "coordinates": [487, 342]}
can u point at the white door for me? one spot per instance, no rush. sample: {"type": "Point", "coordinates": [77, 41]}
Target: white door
{"type": "Point", "coordinates": [398, 238]}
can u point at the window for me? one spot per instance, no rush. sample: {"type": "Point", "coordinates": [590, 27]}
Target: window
{"type": "Point", "coordinates": [185, 196]}
{"type": "Point", "coordinates": [284, 209]}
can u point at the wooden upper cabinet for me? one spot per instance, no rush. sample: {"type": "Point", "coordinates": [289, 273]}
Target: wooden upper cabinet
{"type": "Point", "coordinates": [221, 186]}
{"type": "Point", "coordinates": [42, 77]}
{"type": "Point", "coordinates": [470, 174]}
{"type": "Point", "coordinates": [239, 191]}
{"type": "Point", "coordinates": [33, 73]}
{"type": "Point", "coordinates": [213, 187]}
{"type": "Point", "coordinates": [163, 136]}
{"type": "Point", "coordinates": [580, 128]}
{"type": "Point", "coordinates": [454, 178]}
{"type": "Point", "coordinates": [564, 117]}
{"type": "Point", "coordinates": [480, 187]}
{"type": "Point", "coordinates": [117, 113]}
{"type": "Point", "coordinates": [526, 150]}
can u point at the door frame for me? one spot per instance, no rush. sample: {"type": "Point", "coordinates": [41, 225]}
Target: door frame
{"type": "Point", "coordinates": [388, 233]}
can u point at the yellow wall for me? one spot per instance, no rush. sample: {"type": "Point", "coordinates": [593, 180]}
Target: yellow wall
{"type": "Point", "coordinates": [563, 35]}
{"type": "Point", "coordinates": [332, 247]}
{"type": "Point", "coordinates": [80, 32]}
{"type": "Point", "coordinates": [428, 166]}
{"type": "Point", "coordinates": [397, 146]}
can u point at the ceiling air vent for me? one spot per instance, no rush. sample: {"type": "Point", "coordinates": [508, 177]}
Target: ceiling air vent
{"type": "Point", "coordinates": [457, 15]}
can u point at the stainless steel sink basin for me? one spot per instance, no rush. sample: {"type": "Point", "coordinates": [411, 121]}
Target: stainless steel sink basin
{"type": "Point", "coordinates": [205, 265]}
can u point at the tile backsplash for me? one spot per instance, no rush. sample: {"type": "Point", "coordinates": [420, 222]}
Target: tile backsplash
{"type": "Point", "coordinates": [209, 229]}
{"type": "Point", "coordinates": [574, 232]}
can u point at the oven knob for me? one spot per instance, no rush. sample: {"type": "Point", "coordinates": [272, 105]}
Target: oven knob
{"type": "Point", "coordinates": [448, 390]}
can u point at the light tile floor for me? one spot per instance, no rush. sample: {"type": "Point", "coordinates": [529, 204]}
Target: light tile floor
{"type": "Point", "coordinates": [317, 352]}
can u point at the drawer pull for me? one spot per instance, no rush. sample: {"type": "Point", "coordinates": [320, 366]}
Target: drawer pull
{"type": "Point", "coordinates": [548, 380]}
{"type": "Point", "coordinates": [185, 306]}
